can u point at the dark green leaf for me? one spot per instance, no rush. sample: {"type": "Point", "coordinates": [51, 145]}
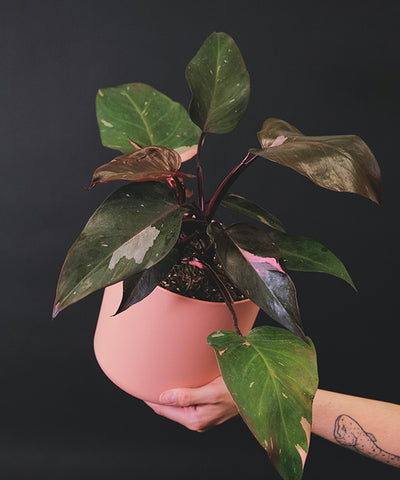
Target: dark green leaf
{"type": "Point", "coordinates": [142, 165]}
{"type": "Point", "coordinates": [132, 230]}
{"type": "Point", "coordinates": [252, 210]}
{"type": "Point", "coordinates": [340, 162]}
{"type": "Point", "coordinates": [220, 85]}
{"type": "Point", "coordinates": [308, 255]}
{"type": "Point", "coordinates": [141, 113]}
{"type": "Point", "coordinates": [139, 286]}
{"type": "Point", "coordinates": [249, 257]}
{"type": "Point", "coordinates": [272, 376]}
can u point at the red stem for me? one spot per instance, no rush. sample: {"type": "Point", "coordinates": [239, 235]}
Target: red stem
{"type": "Point", "coordinates": [178, 188]}
{"type": "Point", "coordinates": [200, 180]}
{"type": "Point", "coordinates": [221, 287]}
{"type": "Point", "coordinates": [226, 184]}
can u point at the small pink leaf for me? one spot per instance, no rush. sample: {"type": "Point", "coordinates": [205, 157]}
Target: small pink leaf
{"type": "Point", "coordinates": [142, 165]}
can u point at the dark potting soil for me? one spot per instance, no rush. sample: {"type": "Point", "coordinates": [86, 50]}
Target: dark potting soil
{"type": "Point", "coordinates": [193, 282]}
{"type": "Point", "coordinates": [197, 283]}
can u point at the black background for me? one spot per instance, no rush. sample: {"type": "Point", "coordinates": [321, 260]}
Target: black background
{"type": "Point", "coordinates": [325, 67]}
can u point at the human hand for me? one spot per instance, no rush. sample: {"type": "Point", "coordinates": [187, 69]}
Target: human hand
{"type": "Point", "coordinates": [197, 408]}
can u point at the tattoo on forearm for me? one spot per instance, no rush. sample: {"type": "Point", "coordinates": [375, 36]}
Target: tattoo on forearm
{"type": "Point", "coordinates": [349, 433]}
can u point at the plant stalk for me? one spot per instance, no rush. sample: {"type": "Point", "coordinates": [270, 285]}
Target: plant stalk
{"type": "Point", "coordinates": [226, 185]}
{"type": "Point", "coordinates": [200, 179]}
{"type": "Point", "coordinates": [221, 287]}
{"type": "Point", "coordinates": [177, 186]}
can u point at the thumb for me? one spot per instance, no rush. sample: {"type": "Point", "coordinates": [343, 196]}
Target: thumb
{"type": "Point", "coordinates": [186, 397]}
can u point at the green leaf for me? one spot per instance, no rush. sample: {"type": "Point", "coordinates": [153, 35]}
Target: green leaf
{"type": "Point", "coordinates": [249, 258]}
{"type": "Point", "coordinates": [142, 165]}
{"type": "Point", "coordinates": [132, 230]}
{"type": "Point", "coordinates": [308, 255]}
{"type": "Point", "coordinates": [141, 113]}
{"type": "Point", "coordinates": [339, 162]}
{"type": "Point", "coordinates": [220, 84]}
{"type": "Point", "coordinates": [139, 286]}
{"type": "Point", "coordinates": [272, 377]}
{"type": "Point", "coordinates": [252, 210]}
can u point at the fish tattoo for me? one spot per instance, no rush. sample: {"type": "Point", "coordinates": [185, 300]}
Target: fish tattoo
{"type": "Point", "coordinates": [349, 433]}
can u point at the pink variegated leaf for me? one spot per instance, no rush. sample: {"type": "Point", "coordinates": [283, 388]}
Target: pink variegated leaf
{"type": "Point", "coordinates": [343, 163]}
{"type": "Point", "coordinates": [249, 257]}
{"type": "Point", "coordinates": [132, 230]}
{"type": "Point", "coordinates": [143, 165]}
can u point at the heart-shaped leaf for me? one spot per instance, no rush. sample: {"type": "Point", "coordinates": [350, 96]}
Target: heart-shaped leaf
{"type": "Point", "coordinates": [220, 84]}
{"type": "Point", "coordinates": [272, 376]}
{"type": "Point", "coordinates": [249, 258]}
{"type": "Point", "coordinates": [339, 162]}
{"type": "Point", "coordinates": [142, 165]}
{"type": "Point", "coordinates": [132, 230]}
{"type": "Point", "coordinates": [252, 210]}
{"type": "Point", "coordinates": [139, 286]}
{"type": "Point", "coordinates": [308, 255]}
{"type": "Point", "coordinates": [139, 112]}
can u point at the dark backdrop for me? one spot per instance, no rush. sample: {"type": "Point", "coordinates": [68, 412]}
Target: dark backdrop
{"type": "Point", "coordinates": [327, 68]}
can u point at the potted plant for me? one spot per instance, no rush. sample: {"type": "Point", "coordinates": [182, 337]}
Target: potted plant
{"type": "Point", "coordinates": [151, 236]}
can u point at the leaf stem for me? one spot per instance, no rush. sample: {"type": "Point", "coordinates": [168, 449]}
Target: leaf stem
{"type": "Point", "coordinates": [177, 186]}
{"type": "Point", "coordinates": [226, 185]}
{"type": "Point", "coordinates": [200, 180]}
{"type": "Point", "coordinates": [221, 287]}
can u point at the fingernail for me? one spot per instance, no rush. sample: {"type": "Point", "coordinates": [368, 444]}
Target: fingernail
{"type": "Point", "coordinates": [168, 398]}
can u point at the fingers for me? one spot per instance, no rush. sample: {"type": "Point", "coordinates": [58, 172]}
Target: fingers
{"type": "Point", "coordinates": [186, 397]}
{"type": "Point", "coordinates": [176, 414]}
{"type": "Point", "coordinates": [212, 393]}
{"type": "Point", "coordinates": [197, 408]}
{"type": "Point", "coordinates": [198, 419]}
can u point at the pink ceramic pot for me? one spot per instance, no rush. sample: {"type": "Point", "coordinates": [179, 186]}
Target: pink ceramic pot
{"type": "Point", "coordinates": [161, 342]}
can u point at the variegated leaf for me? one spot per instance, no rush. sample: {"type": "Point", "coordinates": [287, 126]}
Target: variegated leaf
{"type": "Point", "coordinates": [249, 257]}
{"type": "Point", "coordinates": [220, 84]}
{"type": "Point", "coordinates": [131, 231]}
{"type": "Point", "coordinates": [339, 162]}
{"type": "Point", "coordinates": [141, 113]}
{"type": "Point", "coordinates": [272, 376]}
{"type": "Point", "coordinates": [142, 165]}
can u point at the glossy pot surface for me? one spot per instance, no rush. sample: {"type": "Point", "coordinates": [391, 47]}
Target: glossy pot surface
{"type": "Point", "coordinates": [161, 342]}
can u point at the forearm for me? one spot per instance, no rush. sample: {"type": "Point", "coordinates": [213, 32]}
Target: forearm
{"type": "Point", "coordinates": [369, 427]}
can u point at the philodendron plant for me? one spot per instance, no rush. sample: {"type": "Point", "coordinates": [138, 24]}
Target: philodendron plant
{"type": "Point", "coordinates": [142, 231]}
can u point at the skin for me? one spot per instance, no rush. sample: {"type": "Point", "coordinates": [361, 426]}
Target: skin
{"type": "Point", "coordinates": [198, 409]}
{"type": "Point", "coordinates": [368, 427]}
